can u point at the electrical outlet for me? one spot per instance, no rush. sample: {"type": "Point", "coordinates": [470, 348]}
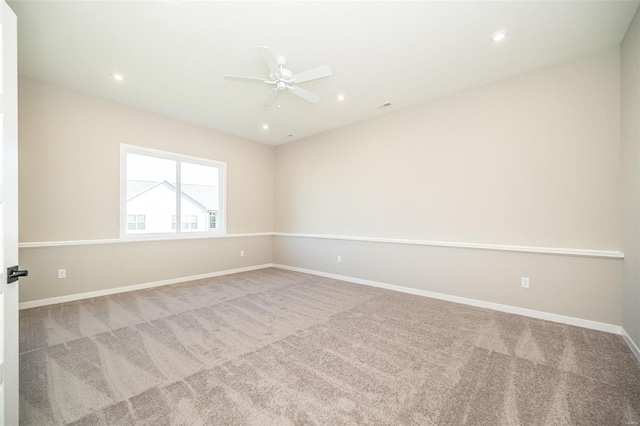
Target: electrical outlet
{"type": "Point", "coordinates": [339, 259]}
{"type": "Point", "coordinates": [525, 282]}
{"type": "Point", "coordinates": [241, 253]}
{"type": "Point", "coordinates": [62, 273]}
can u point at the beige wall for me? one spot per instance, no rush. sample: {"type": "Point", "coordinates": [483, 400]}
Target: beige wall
{"type": "Point", "coordinates": [105, 266]}
{"type": "Point", "coordinates": [69, 187]}
{"type": "Point", "coordinates": [531, 161]}
{"type": "Point", "coordinates": [70, 164]}
{"type": "Point", "coordinates": [565, 285]}
{"type": "Point", "coordinates": [630, 129]}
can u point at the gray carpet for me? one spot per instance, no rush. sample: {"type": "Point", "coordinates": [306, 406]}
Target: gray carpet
{"type": "Point", "coordinates": [273, 347]}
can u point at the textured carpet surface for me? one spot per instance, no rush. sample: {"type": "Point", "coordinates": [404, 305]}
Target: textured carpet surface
{"type": "Point", "coordinates": [274, 347]}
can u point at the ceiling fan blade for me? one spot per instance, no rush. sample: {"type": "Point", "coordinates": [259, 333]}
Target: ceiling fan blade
{"type": "Point", "coordinates": [304, 94]}
{"type": "Point", "coordinates": [313, 74]}
{"type": "Point", "coordinates": [270, 59]}
{"type": "Point", "coordinates": [271, 96]}
{"type": "Point", "coordinates": [240, 77]}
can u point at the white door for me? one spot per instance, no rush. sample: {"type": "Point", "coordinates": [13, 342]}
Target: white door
{"type": "Point", "coordinates": [8, 217]}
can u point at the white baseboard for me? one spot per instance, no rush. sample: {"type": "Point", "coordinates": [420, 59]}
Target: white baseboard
{"type": "Point", "coordinates": [106, 292]}
{"type": "Point", "coordinates": [594, 325]}
{"type": "Point", "coordinates": [634, 348]}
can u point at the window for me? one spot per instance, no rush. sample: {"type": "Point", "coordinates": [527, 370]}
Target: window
{"type": "Point", "coordinates": [135, 222]}
{"type": "Point", "coordinates": [187, 222]}
{"type": "Point", "coordinates": [192, 222]}
{"type": "Point", "coordinates": [213, 219]}
{"type": "Point", "coordinates": [160, 187]}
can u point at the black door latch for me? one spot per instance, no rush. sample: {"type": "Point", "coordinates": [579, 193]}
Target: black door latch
{"type": "Point", "coordinates": [13, 273]}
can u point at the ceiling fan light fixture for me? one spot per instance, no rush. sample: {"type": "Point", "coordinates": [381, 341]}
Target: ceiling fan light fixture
{"type": "Point", "coordinates": [499, 36]}
{"type": "Point", "coordinates": [284, 80]}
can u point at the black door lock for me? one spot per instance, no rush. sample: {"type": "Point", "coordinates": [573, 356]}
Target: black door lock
{"type": "Point", "coordinates": [13, 273]}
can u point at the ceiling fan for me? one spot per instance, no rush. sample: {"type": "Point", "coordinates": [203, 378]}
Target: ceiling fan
{"type": "Point", "coordinates": [282, 79]}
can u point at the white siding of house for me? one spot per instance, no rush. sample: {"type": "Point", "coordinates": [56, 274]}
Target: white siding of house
{"type": "Point", "coordinates": [158, 206]}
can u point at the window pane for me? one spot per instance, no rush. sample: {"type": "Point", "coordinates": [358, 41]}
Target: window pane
{"type": "Point", "coordinates": [213, 219]}
{"type": "Point", "coordinates": [150, 194]}
{"type": "Point", "coordinates": [200, 193]}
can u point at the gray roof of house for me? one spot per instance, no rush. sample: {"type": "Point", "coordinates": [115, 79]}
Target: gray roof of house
{"type": "Point", "coordinates": [206, 195]}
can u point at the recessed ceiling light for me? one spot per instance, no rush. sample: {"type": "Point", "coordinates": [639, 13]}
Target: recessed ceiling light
{"type": "Point", "coordinates": [117, 76]}
{"type": "Point", "coordinates": [499, 35]}
{"type": "Point", "coordinates": [265, 126]}
{"type": "Point", "coordinates": [341, 97]}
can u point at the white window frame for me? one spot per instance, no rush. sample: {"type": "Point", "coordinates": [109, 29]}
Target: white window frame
{"type": "Point", "coordinates": [222, 194]}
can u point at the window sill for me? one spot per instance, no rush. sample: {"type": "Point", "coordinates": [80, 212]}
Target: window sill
{"type": "Point", "coordinates": [176, 236]}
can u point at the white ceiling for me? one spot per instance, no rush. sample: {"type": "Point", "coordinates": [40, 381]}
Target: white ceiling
{"type": "Point", "coordinates": [174, 54]}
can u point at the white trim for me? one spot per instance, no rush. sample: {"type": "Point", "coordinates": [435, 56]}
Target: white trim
{"type": "Point", "coordinates": [607, 254]}
{"type": "Point", "coordinates": [634, 348]}
{"type": "Point", "coordinates": [125, 289]}
{"type": "Point", "coordinates": [161, 237]}
{"type": "Point", "coordinates": [500, 247]}
{"type": "Point", "coordinates": [123, 191]}
{"type": "Point", "coordinates": [594, 325]}
{"type": "Point", "coordinates": [222, 212]}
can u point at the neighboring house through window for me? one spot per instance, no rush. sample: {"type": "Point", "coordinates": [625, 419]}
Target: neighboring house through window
{"type": "Point", "coordinates": [187, 222]}
{"type": "Point", "coordinates": [135, 222]}
{"type": "Point", "coordinates": [192, 222]}
{"type": "Point", "coordinates": [213, 219]}
{"type": "Point", "coordinates": [159, 187]}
